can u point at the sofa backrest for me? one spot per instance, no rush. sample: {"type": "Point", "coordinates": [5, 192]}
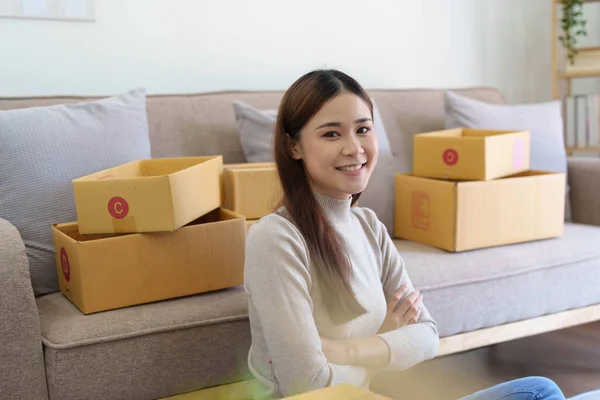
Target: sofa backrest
{"type": "Point", "coordinates": [204, 124]}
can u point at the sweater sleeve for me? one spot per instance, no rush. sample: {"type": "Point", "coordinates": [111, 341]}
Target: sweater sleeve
{"type": "Point", "coordinates": [411, 344]}
{"type": "Point", "coordinates": [277, 279]}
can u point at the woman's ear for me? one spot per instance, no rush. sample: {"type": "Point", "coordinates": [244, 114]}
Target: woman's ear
{"type": "Point", "coordinates": [294, 148]}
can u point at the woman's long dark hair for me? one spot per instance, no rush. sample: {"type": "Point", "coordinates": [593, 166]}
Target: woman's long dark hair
{"type": "Point", "coordinates": [300, 103]}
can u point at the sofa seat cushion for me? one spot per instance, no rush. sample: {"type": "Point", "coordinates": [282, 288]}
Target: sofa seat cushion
{"type": "Point", "coordinates": [487, 287]}
{"type": "Point", "coordinates": [148, 351]}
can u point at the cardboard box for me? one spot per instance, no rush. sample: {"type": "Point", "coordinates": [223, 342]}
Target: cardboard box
{"type": "Point", "coordinates": [104, 272]}
{"type": "Point", "coordinates": [459, 216]}
{"type": "Point", "coordinates": [338, 392]}
{"type": "Point", "coordinates": [251, 189]}
{"type": "Point", "coordinates": [155, 195]}
{"type": "Point", "coordinates": [470, 154]}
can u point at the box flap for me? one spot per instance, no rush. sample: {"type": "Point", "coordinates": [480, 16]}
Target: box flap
{"type": "Point", "coordinates": [250, 165]}
{"type": "Point", "coordinates": [196, 188]}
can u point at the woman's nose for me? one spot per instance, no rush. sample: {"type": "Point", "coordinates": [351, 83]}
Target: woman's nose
{"type": "Point", "coordinates": [353, 147]}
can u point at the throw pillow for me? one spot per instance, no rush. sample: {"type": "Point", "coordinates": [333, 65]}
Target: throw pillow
{"type": "Point", "coordinates": [543, 120]}
{"type": "Point", "coordinates": [44, 148]}
{"type": "Point", "coordinates": [256, 135]}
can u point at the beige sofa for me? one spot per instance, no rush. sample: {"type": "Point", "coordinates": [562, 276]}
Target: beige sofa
{"type": "Point", "coordinates": [48, 349]}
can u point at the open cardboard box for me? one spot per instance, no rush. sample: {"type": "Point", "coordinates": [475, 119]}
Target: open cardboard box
{"type": "Point", "coordinates": [251, 189]}
{"type": "Point", "coordinates": [155, 195]}
{"type": "Point", "coordinates": [103, 272]}
{"type": "Point", "coordinates": [466, 215]}
{"type": "Point", "coordinates": [470, 154]}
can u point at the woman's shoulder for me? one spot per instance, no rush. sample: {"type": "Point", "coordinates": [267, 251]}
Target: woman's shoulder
{"type": "Point", "coordinates": [368, 218]}
{"type": "Point", "coordinates": [271, 240]}
{"type": "Point", "coordinates": [274, 226]}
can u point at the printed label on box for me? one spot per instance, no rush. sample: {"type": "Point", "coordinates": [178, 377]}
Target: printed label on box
{"type": "Point", "coordinates": [420, 210]}
{"type": "Point", "coordinates": [64, 263]}
{"type": "Point", "coordinates": [118, 207]}
{"type": "Point", "coordinates": [450, 157]}
{"type": "Point", "coordinates": [519, 154]}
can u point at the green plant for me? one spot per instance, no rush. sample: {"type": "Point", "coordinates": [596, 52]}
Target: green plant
{"type": "Point", "coordinates": [572, 25]}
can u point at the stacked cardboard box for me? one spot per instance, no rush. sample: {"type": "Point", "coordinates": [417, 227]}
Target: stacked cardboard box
{"type": "Point", "coordinates": [472, 189]}
{"type": "Point", "coordinates": [252, 190]}
{"type": "Point", "coordinates": [146, 231]}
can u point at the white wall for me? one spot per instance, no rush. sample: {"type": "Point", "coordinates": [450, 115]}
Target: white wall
{"type": "Point", "coordinates": [182, 46]}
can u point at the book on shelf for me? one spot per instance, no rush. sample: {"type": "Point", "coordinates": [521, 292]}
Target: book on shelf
{"type": "Point", "coordinates": [582, 120]}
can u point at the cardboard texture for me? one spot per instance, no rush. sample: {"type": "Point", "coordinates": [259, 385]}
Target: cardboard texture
{"type": "Point", "coordinates": [104, 272]}
{"type": "Point", "coordinates": [251, 189]}
{"type": "Point", "coordinates": [339, 392]}
{"type": "Point", "coordinates": [154, 195]}
{"type": "Point", "coordinates": [458, 216]}
{"type": "Point", "coordinates": [470, 154]}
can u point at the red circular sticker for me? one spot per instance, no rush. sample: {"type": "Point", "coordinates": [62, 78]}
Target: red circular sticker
{"type": "Point", "coordinates": [118, 207]}
{"type": "Point", "coordinates": [64, 263]}
{"type": "Point", "coordinates": [450, 157]}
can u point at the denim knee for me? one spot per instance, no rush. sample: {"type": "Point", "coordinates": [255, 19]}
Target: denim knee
{"type": "Point", "coordinates": [530, 388]}
{"type": "Point", "coordinates": [545, 387]}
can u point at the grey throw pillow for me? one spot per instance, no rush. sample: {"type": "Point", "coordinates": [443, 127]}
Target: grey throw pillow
{"type": "Point", "coordinates": [543, 120]}
{"type": "Point", "coordinates": [256, 135]}
{"type": "Point", "coordinates": [44, 148]}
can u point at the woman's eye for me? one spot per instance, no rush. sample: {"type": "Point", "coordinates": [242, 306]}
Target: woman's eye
{"type": "Point", "coordinates": [331, 134]}
{"type": "Point", "coordinates": [363, 130]}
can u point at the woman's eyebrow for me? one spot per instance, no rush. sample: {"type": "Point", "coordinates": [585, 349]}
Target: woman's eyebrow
{"type": "Point", "coordinates": [328, 124]}
{"type": "Point", "coordinates": [358, 121]}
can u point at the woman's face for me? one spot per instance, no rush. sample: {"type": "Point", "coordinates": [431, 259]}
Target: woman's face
{"type": "Point", "coordinates": [339, 147]}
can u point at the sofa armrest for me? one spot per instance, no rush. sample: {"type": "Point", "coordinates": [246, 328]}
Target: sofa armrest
{"type": "Point", "coordinates": [584, 183]}
{"type": "Point", "coordinates": [22, 371]}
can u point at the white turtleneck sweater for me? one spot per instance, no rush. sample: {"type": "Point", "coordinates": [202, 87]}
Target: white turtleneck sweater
{"type": "Point", "coordinates": [287, 317]}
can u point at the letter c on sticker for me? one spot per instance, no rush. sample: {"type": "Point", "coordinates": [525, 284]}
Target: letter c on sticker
{"type": "Point", "coordinates": [118, 207]}
{"type": "Point", "coordinates": [450, 157]}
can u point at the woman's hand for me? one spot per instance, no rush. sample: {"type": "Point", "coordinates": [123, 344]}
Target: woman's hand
{"type": "Point", "coordinates": [405, 313]}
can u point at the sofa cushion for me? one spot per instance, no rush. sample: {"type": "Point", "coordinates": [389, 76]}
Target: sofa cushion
{"type": "Point", "coordinates": [256, 129]}
{"type": "Point", "coordinates": [148, 351]}
{"type": "Point", "coordinates": [44, 148]}
{"type": "Point", "coordinates": [487, 287]}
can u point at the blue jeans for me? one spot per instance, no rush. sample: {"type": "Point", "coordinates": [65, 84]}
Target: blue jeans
{"type": "Point", "coordinates": [530, 388]}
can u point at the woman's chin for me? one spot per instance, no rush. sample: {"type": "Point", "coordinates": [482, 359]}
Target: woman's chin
{"type": "Point", "coordinates": [356, 189]}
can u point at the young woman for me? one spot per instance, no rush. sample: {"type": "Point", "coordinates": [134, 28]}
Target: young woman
{"type": "Point", "coordinates": [330, 300]}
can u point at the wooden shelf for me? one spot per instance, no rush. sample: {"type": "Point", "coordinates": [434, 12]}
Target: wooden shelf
{"type": "Point", "coordinates": [586, 65]}
{"type": "Point", "coordinates": [591, 148]}
{"type": "Point", "coordinates": [587, 60]}
{"type": "Point", "coordinates": [588, 49]}
{"type": "Point", "coordinates": [578, 74]}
